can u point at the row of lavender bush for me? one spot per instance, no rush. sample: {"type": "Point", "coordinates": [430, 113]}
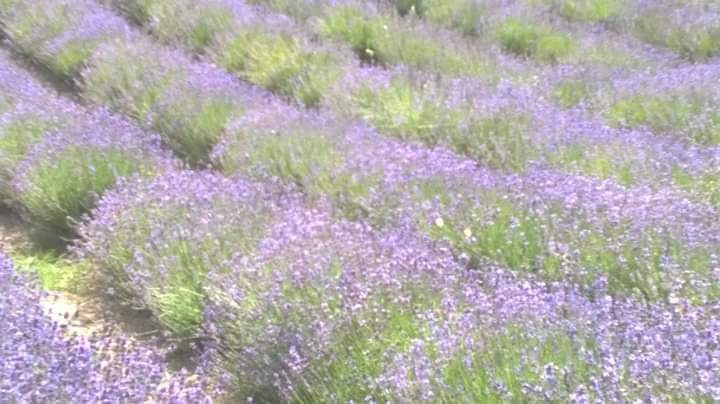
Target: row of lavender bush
{"type": "Point", "coordinates": [310, 308]}
{"type": "Point", "coordinates": [295, 305]}
{"type": "Point", "coordinates": [493, 127]}
{"type": "Point", "coordinates": [560, 225]}
{"type": "Point", "coordinates": [57, 157]}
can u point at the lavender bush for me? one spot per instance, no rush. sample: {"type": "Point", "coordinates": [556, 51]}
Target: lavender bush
{"type": "Point", "coordinates": [154, 240]}
{"type": "Point", "coordinates": [58, 157]}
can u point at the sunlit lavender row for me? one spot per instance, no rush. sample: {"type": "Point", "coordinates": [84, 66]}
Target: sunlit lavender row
{"type": "Point", "coordinates": [391, 201]}
{"type": "Point", "coordinates": [585, 232]}
{"type": "Point", "coordinates": [57, 156]}
{"type": "Point", "coordinates": [294, 305]}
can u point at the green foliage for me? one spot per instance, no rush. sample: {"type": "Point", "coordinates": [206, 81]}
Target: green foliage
{"type": "Point", "coordinates": [402, 111]}
{"type": "Point", "coordinates": [696, 43]}
{"type": "Point", "coordinates": [280, 64]}
{"type": "Point", "coordinates": [69, 60]}
{"type": "Point", "coordinates": [704, 186]}
{"type": "Point", "coordinates": [569, 93]}
{"type": "Point", "coordinates": [507, 234]}
{"type": "Point", "coordinates": [359, 352]}
{"type": "Point", "coordinates": [127, 81]}
{"type": "Point", "coordinates": [302, 159]}
{"type": "Point", "coordinates": [529, 40]}
{"type": "Point", "coordinates": [463, 15]}
{"type": "Point", "coordinates": [69, 185]}
{"type": "Point", "coordinates": [300, 10]}
{"type": "Point", "coordinates": [193, 124]}
{"type": "Point", "coordinates": [670, 113]}
{"type": "Point", "coordinates": [383, 40]}
{"type": "Point", "coordinates": [208, 25]}
{"type": "Point", "coordinates": [307, 160]}
{"type": "Point", "coordinates": [405, 7]}
{"type": "Point", "coordinates": [365, 35]}
{"type": "Point", "coordinates": [176, 295]}
{"type": "Point", "coordinates": [634, 262]}
{"type": "Point", "coordinates": [596, 11]}
{"type": "Point", "coordinates": [54, 273]}
{"type": "Point", "coordinates": [18, 136]}
{"type": "Point", "coordinates": [32, 26]}
{"type": "Point", "coordinates": [514, 357]}
{"type": "Point", "coordinates": [498, 141]}
{"type": "Point", "coordinates": [604, 163]}
{"type": "Point", "coordinates": [193, 25]}
{"type": "Point", "coordinates": [16, 139]}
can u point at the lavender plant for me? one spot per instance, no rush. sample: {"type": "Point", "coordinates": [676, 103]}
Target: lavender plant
{"type": "Point", "coordinates": [154, 240]}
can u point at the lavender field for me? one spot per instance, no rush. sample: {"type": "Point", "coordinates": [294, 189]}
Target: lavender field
{"type": "Point", "coordinates": [360, 201]}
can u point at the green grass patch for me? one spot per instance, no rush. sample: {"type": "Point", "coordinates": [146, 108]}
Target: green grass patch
{"type": "Point", "coordinates": [53, 273]}
{"type": "Point", "coordinates": [530, 40]}
{"type": "Point", "coordinates": [280, 64]}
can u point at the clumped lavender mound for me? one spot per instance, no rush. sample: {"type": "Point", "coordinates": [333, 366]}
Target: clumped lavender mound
{"type": "Point", "coordinates": [41, 363]}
